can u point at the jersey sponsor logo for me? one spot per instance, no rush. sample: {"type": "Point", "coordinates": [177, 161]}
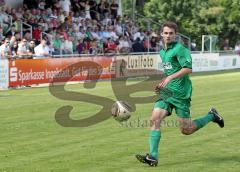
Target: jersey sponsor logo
{"type": "Point", "coordinates": [166, 65]}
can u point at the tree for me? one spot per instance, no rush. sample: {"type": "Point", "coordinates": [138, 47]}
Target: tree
{"type": "Point", "coordinates": [196, 17]}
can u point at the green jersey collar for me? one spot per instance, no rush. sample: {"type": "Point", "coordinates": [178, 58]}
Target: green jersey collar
{"type": "Point", "coordinates": [170, 46]}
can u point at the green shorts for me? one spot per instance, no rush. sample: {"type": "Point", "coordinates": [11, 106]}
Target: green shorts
{"type": "Point", "coordinates": [181, 106]}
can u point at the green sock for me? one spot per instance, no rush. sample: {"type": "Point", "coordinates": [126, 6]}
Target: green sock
{"type": "Point", "coordinates": [202, 121]}
{"type": "Point", "coordinates": [154, 142]}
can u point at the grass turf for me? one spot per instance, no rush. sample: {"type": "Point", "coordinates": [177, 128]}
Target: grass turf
{"type": "Point", "coordinates": [32, 141]}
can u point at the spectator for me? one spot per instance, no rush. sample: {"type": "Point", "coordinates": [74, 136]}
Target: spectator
{"type": "Point", "coordinates": [123, 46]}
{"type": "Point", "coordinates": [114, 9]}
{"type": "Point", "coordinates": [193, 46]}
{"type": "Point", "coordinates": [103, 9]}
{"type": "Point", "coordinates": [42, 50]}
{"type": "Point", "coordinates": [37, 33]}
{"type": "Point", "coordinates": [225, 46]}
{"type": "Point", "coordinates": [68, 46]}
{"type": "Point", "coordinates": [81, 46]}
{"type": "Point", "coordinates": [30, 4]}
{"type": "Point", "coordinates": [11, 32]}
{"type": "Point", "coordinates": [41, 5]}
{"type": "Point", "coordinates": [93, 47]}
{"type": "Point", "coordinates": [118, 28]}
{"type": "Point", "coordinates": [5, 51]}
{"type": "Point", "coordinates": [138, 46]}
{"type": "Point", "coordinates": [111, 46]}
{"type": "Point", "coordinates": [153, 44]}
{"type": "Point", "coordinates": [87, 10]}
{"type": "Point", "coordinates": [30, 49]}
{"type": "Point", "coordinates": [112, 33]}
{"type": "Point", "coordinates": [93, 9]}
{"type": "Point", "coordinates": [89, 33]}
{"type": "Point", "coordinates": [1, 34]}
{"type": "Point", "coordinates": [75, 5]}
{"type": "Point", "coordinates": [57, 44]}
{"type": "Point", "coordinates": [17, 36]}
{"type": "Point", "coordinates": [65, 5]}
{"type": "Point", "coordinates": [94, 33]}
{"type": "Point", "coordinates": [17, 24]}
{"type": "Point", "coordinates": [22, 49]}
{"type": "Point", "coordinates": [237, 48]}
{"type": "Point", "coordinates": [27, 35]}
{"type": "Point", "coordinates": [14, 49]}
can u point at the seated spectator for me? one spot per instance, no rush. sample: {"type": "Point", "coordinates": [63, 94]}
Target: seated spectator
{"type": "Point", "coordinates": [17, 23]}
{"type": "Point", "coordinates": [37, 33]}
{"type": "Point", "coordinates": [57, 44]}
{"type": "Point", "coordinates": [100, 47]}
{"type": "Point", "coordinates": [112, 33]}
{"type": "Point", "coordinates": [30, 49]}
{"type": "Point", "coordinates": [138, 46]}
{"type": "Point", "coordinates": [68, 46]}
{"type": "Point", "coordinates": [81, 46]}
{"type": "Point", "coordinates": [11, 32]}
{"type": "Point", "coordinates": [5, 51]}
{"type": "Point", "coordinates": [42, 50]}
{"type": "Point", "coordinates": [93, 47]}
{"type": "Point", "coordinates": [123, 45]}
{"type": "Point", "coordinates": [89, 33]}
{"type": "Point", "coordinates": [95, 33]}
{"type": "Point", "coordinates": [118, 28]}
{"type": "Point", "coordinates": [14, 49]}
{"type": "Point", "coordinates": [27, 35]}
{"type": "Point", "coordinates": [22, 49]}
{"type": "Point", "coordinates": [111, 46]}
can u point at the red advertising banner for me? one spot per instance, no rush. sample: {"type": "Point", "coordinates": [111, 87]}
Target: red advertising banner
{"type": "Point", "coordinates": [39, 71]}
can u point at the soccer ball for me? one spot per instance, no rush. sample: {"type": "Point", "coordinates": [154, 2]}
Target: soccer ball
{"type": "Point", "coordinates": [121, 111]}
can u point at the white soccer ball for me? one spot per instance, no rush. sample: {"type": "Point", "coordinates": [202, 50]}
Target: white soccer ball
{"type": "Point", "coordinates": [121, 111]}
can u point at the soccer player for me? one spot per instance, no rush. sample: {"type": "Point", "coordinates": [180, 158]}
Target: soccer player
{"type": "Point", "coordinates": [177, 65]}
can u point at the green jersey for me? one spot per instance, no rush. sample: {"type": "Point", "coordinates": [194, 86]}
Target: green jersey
{"type": "Point", "coordinates": [174, 58]}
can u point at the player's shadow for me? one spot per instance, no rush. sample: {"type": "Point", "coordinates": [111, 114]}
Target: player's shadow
{"type": "Point", "coordinates": [211, 159]}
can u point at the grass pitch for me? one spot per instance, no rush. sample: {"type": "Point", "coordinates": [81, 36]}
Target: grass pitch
{"type": "Point", "coordinates": [32, 141]}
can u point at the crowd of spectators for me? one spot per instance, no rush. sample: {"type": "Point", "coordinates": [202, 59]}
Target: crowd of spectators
{"type": "Point", "coordinates": [71, 27]}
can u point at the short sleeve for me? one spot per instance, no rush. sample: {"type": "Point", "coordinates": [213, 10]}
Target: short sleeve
{"type": "Point", "coordinates": [184, 57]}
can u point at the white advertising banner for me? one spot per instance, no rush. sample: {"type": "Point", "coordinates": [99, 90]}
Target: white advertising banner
{"type": "Point", "coordinates": [136, 65]}
{"type": "Point", "coordinates": [229, 61]}
{"type": "Point", "coordinates": [205, 62]}
{"type": "Point", "coordinates": [4, 74]}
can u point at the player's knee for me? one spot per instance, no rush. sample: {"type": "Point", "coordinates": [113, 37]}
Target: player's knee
{"type": "Point", "coordinates": [155, 122]}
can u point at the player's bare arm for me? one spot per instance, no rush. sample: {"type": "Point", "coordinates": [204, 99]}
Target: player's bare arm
{"type": "Point", "coordinates": [179, 74]}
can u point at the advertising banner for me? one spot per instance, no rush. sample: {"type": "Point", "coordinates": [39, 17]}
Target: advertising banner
{"type": "Point", "coordinates": [3, 74]}
{"type": "Point", "coordinates": [205, 62]}
{"type": "Point", "coordinates": [38, 71]}
{"type": "Point", "coordinates": [136, 65]}
{"type": "Point", "coordinates": [229, 61]}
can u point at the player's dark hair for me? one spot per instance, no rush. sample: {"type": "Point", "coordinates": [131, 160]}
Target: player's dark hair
{"type": "Point", "coordinates": [170, 24]}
